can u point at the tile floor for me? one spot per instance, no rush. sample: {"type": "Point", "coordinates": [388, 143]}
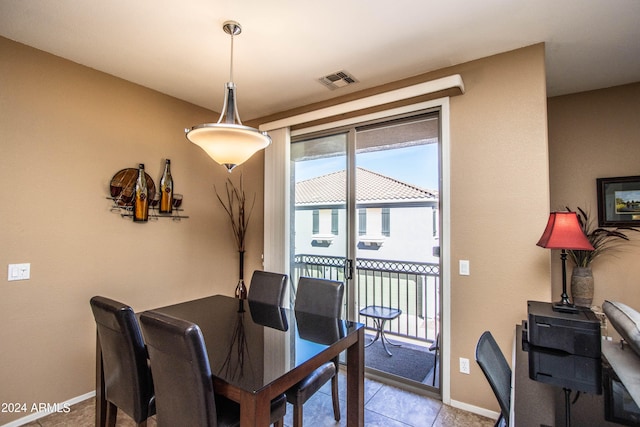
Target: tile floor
{"type": "Point", "coordinates": [385, 406]}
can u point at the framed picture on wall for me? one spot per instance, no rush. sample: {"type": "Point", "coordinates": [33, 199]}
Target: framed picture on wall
{"type": "Point", "coordinates": [619, 201]}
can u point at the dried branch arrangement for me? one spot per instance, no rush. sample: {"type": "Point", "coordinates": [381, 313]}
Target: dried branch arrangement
{"type": "Point", "coordinates": [235, 206]}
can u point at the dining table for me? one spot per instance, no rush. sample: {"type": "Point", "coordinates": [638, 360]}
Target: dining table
{"type": "Point", "coordinates": [257, 352]}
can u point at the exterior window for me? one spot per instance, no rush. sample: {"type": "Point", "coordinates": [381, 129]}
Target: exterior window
{"type": "Point", "coordinates": [386, 222]}
{"type": "Point", "coordinates": [316, 221]}
{"type": "Point", "coordinates": [334, 222]}
{"type": "Point", "coordinates": [362, 222]}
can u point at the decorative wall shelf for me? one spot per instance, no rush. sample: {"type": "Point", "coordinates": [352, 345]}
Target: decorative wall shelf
{"type": "Point", "coordinates": [122, 189]}
{"type": "Point", "coordinates": [126, 211]}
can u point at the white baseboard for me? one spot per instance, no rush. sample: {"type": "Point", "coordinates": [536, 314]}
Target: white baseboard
{"type": "Point", "coordinates": [475, 409]}
{"type": "Point", "coordinates": [40, 414]}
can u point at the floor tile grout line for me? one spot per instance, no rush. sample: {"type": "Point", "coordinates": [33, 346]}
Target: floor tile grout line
{"type": "Point", "coordinates": [435, 420]}
{"type": "Point", "coordinates": [389, 418]}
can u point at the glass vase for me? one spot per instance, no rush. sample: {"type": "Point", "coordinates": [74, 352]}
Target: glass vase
{"type": "Point", "coordinates": [241, 289]}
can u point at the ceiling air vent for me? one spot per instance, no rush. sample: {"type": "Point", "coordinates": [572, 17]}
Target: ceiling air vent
{"type": "Point", "coordinates": [337, 80]}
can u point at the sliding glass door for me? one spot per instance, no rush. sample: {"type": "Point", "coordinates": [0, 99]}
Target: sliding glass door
{"type": "Point", "coordinates": [365, 210]}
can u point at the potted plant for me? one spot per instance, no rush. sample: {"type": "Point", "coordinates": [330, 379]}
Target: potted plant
{"type": "Point", "coordinates": [603, 241]}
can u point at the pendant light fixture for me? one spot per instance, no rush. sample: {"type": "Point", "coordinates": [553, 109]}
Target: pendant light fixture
{"type": "Point", "coordinates": [228, 141]}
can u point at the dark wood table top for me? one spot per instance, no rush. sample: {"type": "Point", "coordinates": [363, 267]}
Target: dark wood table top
{"type": "Point", "coordinates": [256, 343]}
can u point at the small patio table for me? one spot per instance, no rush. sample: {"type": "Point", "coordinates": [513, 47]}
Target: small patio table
{"type": "Point", "coordinates": [380, 315]}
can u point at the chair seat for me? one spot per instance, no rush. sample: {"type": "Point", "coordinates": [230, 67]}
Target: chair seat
{"type": "Point", "coordinates": [228, 411]}
{"type": "Point", "coordinates": [278, 408]}
{"type": "Point", "coordinates": [301, 392]}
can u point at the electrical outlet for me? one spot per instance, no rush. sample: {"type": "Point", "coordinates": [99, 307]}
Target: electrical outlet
{"type": "Point", "coordinates": [464, 365]}
{"type": "Point", "coordinates": [19, 272]}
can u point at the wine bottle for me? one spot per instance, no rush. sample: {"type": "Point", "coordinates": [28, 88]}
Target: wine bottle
{"type": "Point", "coordinates": [166, 189]}
{"type": "Point", "coordinates": [141, 197]}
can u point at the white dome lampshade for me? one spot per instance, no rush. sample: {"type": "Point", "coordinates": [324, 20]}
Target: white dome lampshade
{"type": "Point", "coordinates": [228, 141]}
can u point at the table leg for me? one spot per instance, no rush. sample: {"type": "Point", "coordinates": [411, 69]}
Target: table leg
{"type": "Point", "coordinates": [101, 401]}
{"type": "Point", "coordinates": [567, 407]}
{"type": "Point", "coordinates": [376, 323]}
{"type": "Point", "coordinates": [379, 324]}
{"type": "Point", "coordinates": [255, 410]}
{"type": "Point", "coordinates": [385, 340]}
{"type": "Point", "coordinates": [355, 382]}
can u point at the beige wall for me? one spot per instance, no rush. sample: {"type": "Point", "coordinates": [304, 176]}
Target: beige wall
{"type": "Point", "coordinates": [499, 204]}
{"type": "Point", "coordinates": [66, 129]}
{"type": "Point", "coordinates": [595, 135]}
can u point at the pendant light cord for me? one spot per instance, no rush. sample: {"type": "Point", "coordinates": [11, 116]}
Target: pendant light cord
{"type": "Point", "coordinates": [231, 60]}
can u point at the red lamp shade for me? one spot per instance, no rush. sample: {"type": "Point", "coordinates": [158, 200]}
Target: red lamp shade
{"type": "Point", "coordinates": [564, 232]}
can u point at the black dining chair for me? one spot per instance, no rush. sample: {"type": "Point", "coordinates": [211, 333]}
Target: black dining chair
{"type": "Point", "coordinates": [267, 287]}
{"type": "Point", "coordinates": [183, 379]}
{"type": "Point", "coordinates": [495, 367]}
{"type": "Point", "coordinates": [324, 298]}
{"type": "Point", "coordinates": [127, 377]}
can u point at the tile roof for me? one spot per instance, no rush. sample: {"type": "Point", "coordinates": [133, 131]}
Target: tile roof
{"type": "Point", "coordinates": [370, 187]}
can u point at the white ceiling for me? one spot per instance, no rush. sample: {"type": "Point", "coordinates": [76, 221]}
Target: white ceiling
{"type": "Point", "coordinates": [178, 47]}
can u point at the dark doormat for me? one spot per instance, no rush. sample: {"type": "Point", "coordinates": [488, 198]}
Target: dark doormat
{"type": "Point", "coordinates": [405, 362]}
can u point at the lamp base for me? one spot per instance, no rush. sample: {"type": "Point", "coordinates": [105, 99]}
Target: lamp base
{"type": "Point", "coordinates": [565, 307]}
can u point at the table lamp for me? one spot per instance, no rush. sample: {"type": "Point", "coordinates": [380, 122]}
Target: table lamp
{"type": "Point", "coordinates": [564, 232]}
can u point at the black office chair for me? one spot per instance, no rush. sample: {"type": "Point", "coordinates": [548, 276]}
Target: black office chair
{"type": "Point", "coordinates": [498, 373]}
{"type": "Point", "coordinates": [127, 377]}
{"type": "Point", "coordinates": [183, 380]}
{"type": "Point", "coordinates": [267, 287]}
{"type": "Point", "coordinates": [435, 347]}
{"type": "Point", "coordinates": [319, 297]}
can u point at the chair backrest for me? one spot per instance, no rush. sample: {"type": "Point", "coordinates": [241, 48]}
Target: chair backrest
{"type": "Point", "coordinates": [496, 369]}
{"type": "Point", "coordinates": [267, 287]}
{"type": "Point", "coordinates": [319, 296]}
{"type": "Point", "coordinates": [128, 382]}
{"type": "Point", "coordinates": [269, 315]}
{"type": "Point", "coordinates": [319, 329]}
{"type": "Point", "coordinates": [181, 371]}
{"type": "Point", "coordinates": [182, 375]}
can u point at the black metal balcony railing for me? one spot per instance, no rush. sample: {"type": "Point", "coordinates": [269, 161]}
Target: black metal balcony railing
{"type": "Point", "coordinates": [412, 287]}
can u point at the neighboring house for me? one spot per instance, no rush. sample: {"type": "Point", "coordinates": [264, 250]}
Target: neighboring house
{"type": "Point", "coordinates": [395, 220]}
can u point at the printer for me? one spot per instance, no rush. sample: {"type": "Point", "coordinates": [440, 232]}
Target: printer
{"type": "Point", "coordinates": [564, 347]}
{"type": "Point", "coordinates": [575, 333]}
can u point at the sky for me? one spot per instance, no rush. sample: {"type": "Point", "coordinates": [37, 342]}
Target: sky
{"type": "Point", "coordinates": [417, 165]}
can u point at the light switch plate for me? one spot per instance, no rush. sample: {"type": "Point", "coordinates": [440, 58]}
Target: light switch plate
{"type": "Point", "coordinates": [464, 267]}
{"type": "Point", "coordinates": [19, 272]}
